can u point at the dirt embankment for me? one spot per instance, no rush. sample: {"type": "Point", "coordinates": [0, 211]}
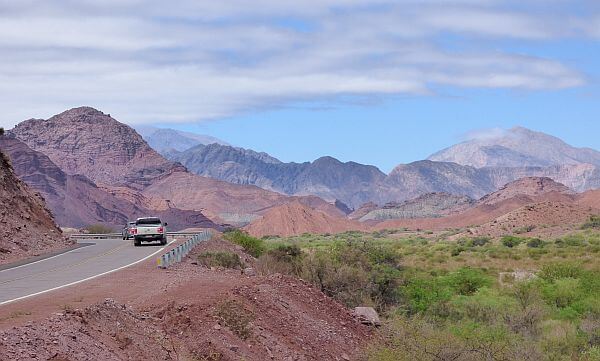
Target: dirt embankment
{"type": "Point", "coordinates": [26, 226]}
{"type": "Point", "coordinates": [188, 312]}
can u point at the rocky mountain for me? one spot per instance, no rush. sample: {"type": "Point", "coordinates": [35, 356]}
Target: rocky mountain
{"type": "Point", "coordinates": [84, 141]}
{"type": "Point", "coordinates": [429, 205]}
{"type": "Point", "coordinates": [167, 141]}
{"type": "Point", "coordinates": [76, 201]}
{"type": "Point", "coordinates": [88, 142]}
{"type": "Point", "coordinates": [326, 177]}
{"type": "Point", "coordinates": [26, 226]}
{"type": "Point", "coordinates": [355, 184]}
{"type": "Point", "coordinates": [517, 147]}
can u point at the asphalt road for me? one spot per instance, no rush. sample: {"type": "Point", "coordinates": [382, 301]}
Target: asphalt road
{"type": "Point", "coordinates": [67, 269]}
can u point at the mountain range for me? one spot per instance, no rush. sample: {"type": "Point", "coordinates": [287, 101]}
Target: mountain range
{"type": "Point", "coordinates": [91, 168]}
{"type": "Point", "coordinates": [83, 153]}
{"type": "Point", "coordinates": [473, 168]}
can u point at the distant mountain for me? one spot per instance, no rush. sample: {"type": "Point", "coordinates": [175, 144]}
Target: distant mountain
{"type": "Point", "coordinates": [430, 205]}
{"type": "Point", "coordinates": [355, 184]}
{"type": "Point", "coordinates": [326, 177]}
{"type": "Point", "coordinates": [167, 141]}
{"type": "Point", "coordinates": [517, 147]}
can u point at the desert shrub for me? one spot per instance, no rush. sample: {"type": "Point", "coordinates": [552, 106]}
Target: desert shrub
{"type": "Point", "coordinates": [480, 241]}
{"type": "Point", "coordinates": [286, 259]}
{"type": "Point", "coordinates": [511, 241]}
{"type": "Point", "coordinates": [562, 292]}
{"type": "Point", "coordinates": [236, 317]}
{"type": "Point", "coordinates": [252, 245]}
{"type": "Point", "coordinates": [418, 339]}
{"type": "Point", "coordinates": [555, 271]}
{"type": "Point", "coordinates": [593, 222]}
{"type": "Point", "coordinates": [466, 281]}
{"type": "Point", "coordinates": [220, 259]}
{"type": "Point", "coordinates": [99, 229]}
{"type": "Point", "coordinates": [486, 306]}
{"type": "Point", "coordinates": [591, 354]}
{"type": "Point", "coordinates": [355, 273]}
{"type": "Point", "coordinates": [535, 243]}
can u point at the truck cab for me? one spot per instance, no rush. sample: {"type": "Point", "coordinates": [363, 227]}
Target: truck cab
{"type": "Point", "coordinates": [149, 229]}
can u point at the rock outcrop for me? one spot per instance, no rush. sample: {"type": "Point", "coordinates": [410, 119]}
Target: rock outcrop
{"type": "Point", "coordinates": [26, 225]}
{"type": "Point", "coordinates": [429, 205]}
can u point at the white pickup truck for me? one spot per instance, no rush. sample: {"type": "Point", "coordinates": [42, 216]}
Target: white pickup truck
{"type": "Point", "coordinates": [149, 229]}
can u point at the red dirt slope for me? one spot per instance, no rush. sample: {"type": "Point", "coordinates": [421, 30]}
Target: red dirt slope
{"type": "Point", "coordinates": [178, 315]}
{"type": "Point", "coordinates": [26, 226]}
{"type": "Point", "coordinates": [295, 218]}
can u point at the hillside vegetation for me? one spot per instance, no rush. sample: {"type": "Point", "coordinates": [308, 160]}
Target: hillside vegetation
{"type": "Point", "coordinates": [507, 298]}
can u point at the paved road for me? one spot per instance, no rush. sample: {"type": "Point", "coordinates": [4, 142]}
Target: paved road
{"type": "Point", "coordinates": [78, 265]}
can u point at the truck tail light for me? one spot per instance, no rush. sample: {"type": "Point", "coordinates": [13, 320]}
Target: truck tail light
{"type": "Point", "coordinates": [160, 230]}
{"type": "Point", "coordinates": [133, 230]}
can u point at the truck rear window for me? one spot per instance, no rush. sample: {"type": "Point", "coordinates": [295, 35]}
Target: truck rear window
{"type": "Point", "coordinates": [148, 221]}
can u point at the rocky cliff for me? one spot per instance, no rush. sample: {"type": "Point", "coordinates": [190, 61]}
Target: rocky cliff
{"type": "Point", "coordinates": [26, 225]}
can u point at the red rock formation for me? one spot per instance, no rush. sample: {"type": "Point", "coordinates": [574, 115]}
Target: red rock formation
{"type": "Point", "coordinates": [26, 226]}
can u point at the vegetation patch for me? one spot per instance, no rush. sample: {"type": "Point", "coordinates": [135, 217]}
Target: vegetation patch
{"type": "Point", "coordinates": [220, 259]}
{"type": "Point", "coordinates": [253, 246]}
{"type": "Point", "coordinates": [99, 229]}
{"type": "Point", "coordinates": [236, 317]}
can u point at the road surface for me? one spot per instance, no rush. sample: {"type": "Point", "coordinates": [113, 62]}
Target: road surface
{"type": "Point", "coordinates": [70, 268]}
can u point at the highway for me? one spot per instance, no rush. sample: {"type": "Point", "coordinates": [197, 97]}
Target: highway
{"type": "Point", "coordinates": [79, 265]}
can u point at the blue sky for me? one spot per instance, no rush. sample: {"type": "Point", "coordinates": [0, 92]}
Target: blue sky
{"type": "Point", "coordinates": [376, 81]}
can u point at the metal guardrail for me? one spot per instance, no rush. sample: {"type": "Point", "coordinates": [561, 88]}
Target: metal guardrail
{"type": "Point", "coordinates": [84, 236]}
{"type": "Point", "coordinates": [178, 253]}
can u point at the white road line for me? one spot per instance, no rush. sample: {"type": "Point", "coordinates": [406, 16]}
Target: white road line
{"type": "Point", "coordinates": [42, 260]}
{"type": "Point", "coordinates": [83, 280]}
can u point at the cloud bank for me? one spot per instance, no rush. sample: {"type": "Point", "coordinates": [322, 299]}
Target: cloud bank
{"type": "Point", "coordinates": [184, 61]}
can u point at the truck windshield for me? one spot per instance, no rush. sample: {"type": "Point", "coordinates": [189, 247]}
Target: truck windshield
{"type": "Point", "coordinates": [148, 221]}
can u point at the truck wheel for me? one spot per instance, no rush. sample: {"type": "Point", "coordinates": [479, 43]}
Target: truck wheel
{"type": "Point", "coordinates": [163, 241]}
{"type": "Point", "coordinates": [137, 242]}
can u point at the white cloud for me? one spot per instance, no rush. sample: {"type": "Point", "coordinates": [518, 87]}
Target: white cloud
{"type": "Point", "coordinates": [194, 60]}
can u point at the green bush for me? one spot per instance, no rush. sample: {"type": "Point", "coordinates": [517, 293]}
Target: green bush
{"type": "Point", "coordinates": [466, 281]}
{"type": "Point", "coordinates": [554, 271]}
{"type": "Point", "coordinates": [99, 229]}
{"type": "Point", "coordinates": [220, 259]}
{"type": "Point", "coordinates": [511, 241]}
{"type": "Point", "coordinates": [535, 243]}
{"type": "Point", "coordinates": [253, 246]}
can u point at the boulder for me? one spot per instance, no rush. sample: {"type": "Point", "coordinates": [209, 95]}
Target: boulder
{"type": "Point", "coordinates": [367, 316]}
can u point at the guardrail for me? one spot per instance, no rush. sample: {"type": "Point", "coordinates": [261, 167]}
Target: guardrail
{"type": "Point", "coordinates": [84, 236]}
{"type": "Point", "coordinates": [178, 253]}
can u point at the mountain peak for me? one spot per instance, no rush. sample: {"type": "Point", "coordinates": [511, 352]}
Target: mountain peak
{"type": "Point", "coordinates": [516, 147]}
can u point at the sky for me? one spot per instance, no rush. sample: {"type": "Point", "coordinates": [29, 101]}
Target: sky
{"type": "Point", "coordinates": [375, 81]}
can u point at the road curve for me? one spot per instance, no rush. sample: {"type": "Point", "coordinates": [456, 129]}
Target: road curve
{"type": "Point", "coordinates": [67, 269]}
